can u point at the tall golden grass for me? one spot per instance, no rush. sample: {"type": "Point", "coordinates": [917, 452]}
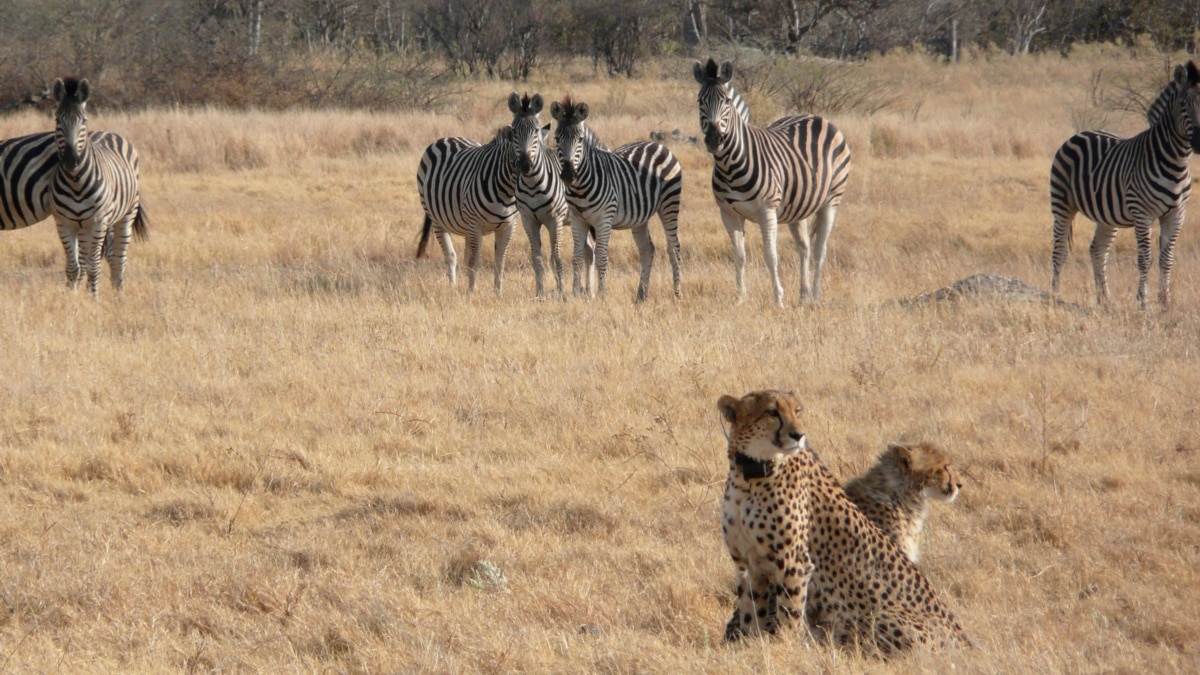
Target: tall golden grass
{"type": "Point", "coordinates": [289, 446]}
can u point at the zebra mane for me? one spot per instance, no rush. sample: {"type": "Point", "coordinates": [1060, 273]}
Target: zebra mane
{"type": "Point", "coordinates": [711, 69]}
{"type": "Point", "coordinates": [1155, 112]}
{"type": "Point", "coordinates": [570, 109]}
{"type": "Point", "coordinates": [70, 86]}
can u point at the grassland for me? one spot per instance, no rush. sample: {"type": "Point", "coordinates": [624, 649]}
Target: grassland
{"type": "Point", "coordinates": [291, 447]}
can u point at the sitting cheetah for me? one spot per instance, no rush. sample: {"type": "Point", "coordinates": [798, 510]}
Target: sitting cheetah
{"type": "Point", "coordinates": [895, 493]}
{"type": "Point", "coordinates": [798, 541]}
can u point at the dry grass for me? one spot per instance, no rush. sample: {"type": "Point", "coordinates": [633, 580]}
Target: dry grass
{"type": "Point", "coordinates": [291, 447]}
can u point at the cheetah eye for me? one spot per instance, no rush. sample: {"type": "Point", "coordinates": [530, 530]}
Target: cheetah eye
{"type": "Point", "coordinates": [773, 413]}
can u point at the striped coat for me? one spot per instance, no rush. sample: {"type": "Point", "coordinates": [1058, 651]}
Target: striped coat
{"type": "Point", "coordinates": [792, 170]}
{"type": "Point", "coordinates": [541, 198]}
{"type": "Point", "coordinates": [616, 190]}
{"type": "Point", "coordinates": [94, 194]}
{"type": "Point", "coordinates": [469, 189]}
{"type": "Point", "coordinates": [1118, 182]}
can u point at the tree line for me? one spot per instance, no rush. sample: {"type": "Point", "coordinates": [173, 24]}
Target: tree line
{"type": "Point", "coordinates": [415, 53]}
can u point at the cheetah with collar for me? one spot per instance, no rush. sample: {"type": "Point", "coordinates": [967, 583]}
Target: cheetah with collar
{"type": "Point", "coordinates": [802, 548]}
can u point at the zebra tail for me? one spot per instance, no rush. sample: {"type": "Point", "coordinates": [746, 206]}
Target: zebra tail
{"type": "Point", "coordinates": [141, 224]}
{"type": "Point", "coordinates": [425, 232]}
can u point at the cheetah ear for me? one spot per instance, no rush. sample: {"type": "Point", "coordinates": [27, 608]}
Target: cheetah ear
{"type": "Point", "coordinates": [728, 406]}
{"type": "Point", "coordinates": [903, 456]}
{"type": "Point", "coordinates": [514, 103]}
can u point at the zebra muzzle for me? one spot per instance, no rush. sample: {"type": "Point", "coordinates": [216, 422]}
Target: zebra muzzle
{"type": "Point", "coordinates": [568, 173]}
{"type": "Point", "coordinates": [712, 138]}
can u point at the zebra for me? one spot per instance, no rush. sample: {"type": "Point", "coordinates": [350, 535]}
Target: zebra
{"type": "Point", "coordinates": [619, 189]}
{"type": "Point", "coordinates": [27, 166]}
{"type": "Point", "coordinates": [792, 170]}
{"type": "Point", "coordinates": [469, 189]}
{"type": "Point", "coordinates": [541, 199]}
{"type": "Point", "coordinates": [1129, 182]}
{"type": "Point", "coordinates": [94, 193]}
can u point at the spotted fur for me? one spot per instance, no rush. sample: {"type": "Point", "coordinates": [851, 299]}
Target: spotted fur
{"type": "Point", "coordinates": [895, 492]}
{"type": "Point", "coordinates": [798, 541]}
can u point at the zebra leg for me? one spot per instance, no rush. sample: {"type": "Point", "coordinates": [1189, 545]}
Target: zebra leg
{"type": "Point", "coordinates": [1063, 224]}
{"type": "Point", "coordinates": [474, 253]}
{"type": "Point", "coordinates": [770, 237]}
{"type": "Point", "coordinates": [93, 251]}
{"type": "Point", "coordinates": [68, 234]}
{"type": "Point", "coordinates": [1141, 233]}
{"type": "Point", "coordinates": [582, 255]}
{"type": "Point", "coordinates": [822, 228]}
{"type": "Point", "coordinates": [555, 228]}
{"type": "Point", "coordinates": [503, 235]}
{"type": "Point", "coordinates": [734, 225]}
{"type": "Point", "coordinates": [533, 229]}
{"type": "Point", "coordinates": [1101, 242]}
{"type": "Point", "coordinates": [603, 234]}
{"type": "Point", "coordinates": [803, 239]}
{"type": "Point", "coordinates": [590, 258]}
{"type": "Point", "coordinates": [670, 223]}
{"type": "Point", "coordinates": [641, 235]}
{"type": "Point", "coordinates": [116, 248]}
{"type": "Point", "coordinates": [1168, 230]}
{"type": "Point", "coordinates": [451, 257]}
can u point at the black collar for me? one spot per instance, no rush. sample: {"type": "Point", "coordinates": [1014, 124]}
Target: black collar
{"type": "Point", "coordinates": [753, 468]}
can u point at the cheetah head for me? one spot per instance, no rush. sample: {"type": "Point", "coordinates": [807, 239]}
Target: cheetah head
{"type": "Point", "coordinates": [764, 425]}
{"type": "Point", "coordinates": [927, 468]}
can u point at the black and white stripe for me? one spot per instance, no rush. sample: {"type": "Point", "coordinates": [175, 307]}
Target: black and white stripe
{"type": "Point", "coordinates": [94, 194]}
{"type": "Point", "coordinates": [541, 199]}
{"type": "Point", "coordinates": [791, 171]}
{"type": "Point", "coordinates": [27, 169]}
{"type": "Point", "coordinates": [1130, 182]}
{"type": "Point", "coordinates": [619, 190]}
{"type": "Point", "coordinates": [469, 189]}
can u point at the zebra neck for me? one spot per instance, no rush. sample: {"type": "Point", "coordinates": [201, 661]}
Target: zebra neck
{"type": "Point", "coordinates": [1166, 136]}
{"type": "Point", "coordinates": [732, 149]}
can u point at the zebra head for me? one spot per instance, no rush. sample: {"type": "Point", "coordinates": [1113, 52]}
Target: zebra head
{"type": "Point", "coordinates": [1187, 78]}
{"type": "Point", "coordinates": [716, 99]}
{"type": "Point", "coordinates": [70, 130]}
{"type": "Point", "coordinates": [570, 135]}
{"type": "Point", "coordinates": [530, 139]}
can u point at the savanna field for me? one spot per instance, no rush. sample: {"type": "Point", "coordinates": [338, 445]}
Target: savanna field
{"type": "Point", "coordinates": [289, 446]}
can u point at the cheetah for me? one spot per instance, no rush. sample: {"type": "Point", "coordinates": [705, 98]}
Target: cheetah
{"type": "Point", "coordinates": [801, 547]}
{"type": "Point", "coordinates": [895, 492]}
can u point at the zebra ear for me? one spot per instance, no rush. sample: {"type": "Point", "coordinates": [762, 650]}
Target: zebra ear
{"type": "Point", "coordinates": [726, 72]}
{"type": "Point", "coordinates": [581, 112]}
{"type": "Point", "coordinates": [698, 72]}
{"type": "Point", "coordinates": [506, 133]}
{"type": "Point", "coordinates": [83, 92]}
{"type": "Point", "coordinates": [556, 110]}
{"type": "Point", "coordinates": [59, 90]}
{"type": "Point", "coordinates": [535, 104]}
{"type": "Point", "coordinates": [514, 103]}
{"type": "Point", "coordinates": [1193, 73]}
